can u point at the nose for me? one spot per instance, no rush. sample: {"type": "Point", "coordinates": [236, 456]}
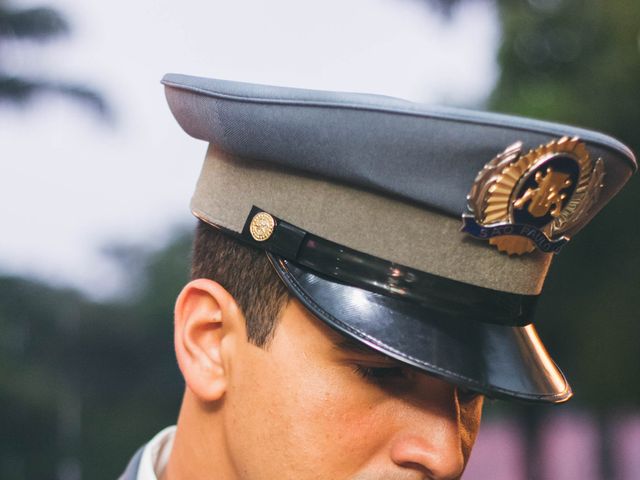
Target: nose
{"type": "Point", "coordinates": [438, 457]}
{"type": "Point", "coordinates": [431, 439]}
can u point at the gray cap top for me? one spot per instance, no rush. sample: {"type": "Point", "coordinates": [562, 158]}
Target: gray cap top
{"type": "Point", "coordinates": [425, 154]}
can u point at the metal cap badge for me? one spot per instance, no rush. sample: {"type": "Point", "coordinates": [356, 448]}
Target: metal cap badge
{"type": "Point", "coordinates": [520, 202]}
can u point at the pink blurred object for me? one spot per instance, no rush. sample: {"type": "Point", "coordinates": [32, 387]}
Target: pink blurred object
{"type": "Point", "coordinates": [498, 453]}
{"type": "Point", "coordinates": [569, 448]}
{"type": "Point", "coordinates": [625, 448]}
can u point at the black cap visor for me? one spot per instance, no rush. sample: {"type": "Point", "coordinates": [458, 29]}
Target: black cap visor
{"type": "Point", "coordinates": [496, 360]}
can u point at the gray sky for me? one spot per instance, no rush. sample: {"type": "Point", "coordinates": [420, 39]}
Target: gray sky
{"type": "Point", "coordinates": [69, 184]}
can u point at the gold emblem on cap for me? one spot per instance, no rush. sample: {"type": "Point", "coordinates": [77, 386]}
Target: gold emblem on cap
{"type": "Point", "coordinates": [523, 200]}
{"type": "Point", "coordinates": [262, 226]}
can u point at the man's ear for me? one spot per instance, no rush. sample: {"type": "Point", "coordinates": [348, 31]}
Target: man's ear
{"type": "Point", "coordinates": [206, 318]}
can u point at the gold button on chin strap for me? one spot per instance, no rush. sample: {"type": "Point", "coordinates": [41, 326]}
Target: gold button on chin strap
{"type": "Point", "coordinates": [262, 226]}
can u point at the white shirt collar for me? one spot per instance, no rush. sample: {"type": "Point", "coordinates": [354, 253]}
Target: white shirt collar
{"type": "Point", "coordinates": [155, 455]}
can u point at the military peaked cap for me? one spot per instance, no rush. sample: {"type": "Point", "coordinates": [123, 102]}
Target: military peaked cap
{"type": "Point", "coordinates": [423, 232]}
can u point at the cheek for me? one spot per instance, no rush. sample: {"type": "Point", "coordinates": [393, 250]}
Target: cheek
{"type": "Point", "coordinates": [303, 415]}
{"type": "Point", "coordinates": [333, 404]}
{"type": "Point", "coordinates": [332, 414]}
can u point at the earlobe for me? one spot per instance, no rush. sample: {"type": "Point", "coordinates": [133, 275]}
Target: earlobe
{"type": "Point", "coordinates": [204, 316]}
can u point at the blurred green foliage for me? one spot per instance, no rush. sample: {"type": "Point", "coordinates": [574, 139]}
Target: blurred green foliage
{"type": "Point", "coordinates": [38, 24]}
{"type": "Point", "coordinates": [84, 384]}
{"type": "Point", "coordinates": [85, 380]}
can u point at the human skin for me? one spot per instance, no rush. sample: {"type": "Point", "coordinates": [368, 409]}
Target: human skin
{"type": "Point", "coordinates": [308, 406]}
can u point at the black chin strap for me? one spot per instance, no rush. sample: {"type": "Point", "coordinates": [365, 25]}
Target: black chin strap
{"type": "Point", "coordinates": [345, 265]}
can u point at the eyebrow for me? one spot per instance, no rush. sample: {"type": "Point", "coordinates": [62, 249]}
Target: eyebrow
{"type": "Point", "coordinates": [350, 345]}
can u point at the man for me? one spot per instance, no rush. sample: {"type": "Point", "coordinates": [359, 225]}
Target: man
{"type": "Point", "coordinates": [340, 324]}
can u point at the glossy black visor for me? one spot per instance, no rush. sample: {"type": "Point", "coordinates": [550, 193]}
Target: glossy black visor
{"type": "Point", "coordinates": [474, 337]}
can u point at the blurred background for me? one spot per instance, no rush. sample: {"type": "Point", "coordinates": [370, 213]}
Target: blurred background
{"type": "Point", "coordinates": [95, 179]}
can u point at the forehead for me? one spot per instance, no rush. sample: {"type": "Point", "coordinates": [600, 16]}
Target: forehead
{"type": "Point", "coordinates": [311, 333]}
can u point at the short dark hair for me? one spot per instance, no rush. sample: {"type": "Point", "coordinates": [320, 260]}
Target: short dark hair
{"type": "Point", "coordinates": [245, 272]}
